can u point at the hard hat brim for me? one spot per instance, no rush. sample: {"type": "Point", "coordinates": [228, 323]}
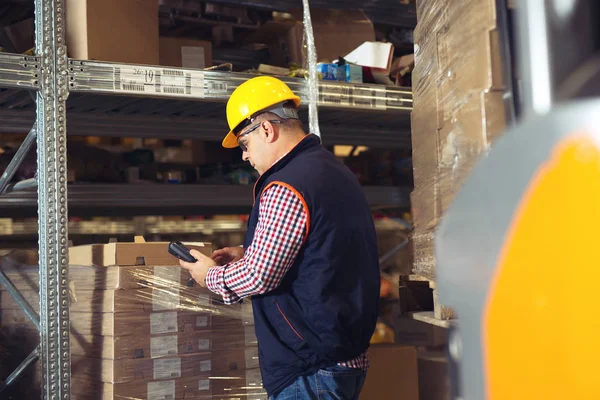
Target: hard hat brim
{"type": "Point", "coordinates": [230, 141]}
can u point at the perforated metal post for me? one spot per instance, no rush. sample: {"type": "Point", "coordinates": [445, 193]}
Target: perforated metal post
{"type": "Point", "coordinates": [52, 199]}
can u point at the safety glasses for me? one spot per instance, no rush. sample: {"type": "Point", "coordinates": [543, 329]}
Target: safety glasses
{"type": "Point", "coordinates": [243, 145]}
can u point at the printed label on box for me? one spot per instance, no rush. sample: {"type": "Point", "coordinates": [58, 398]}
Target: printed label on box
{"type": "Point", "coordinates": [247, 315]}
{"type": "Point", "coordinates": [250, 336]}
{"type": "Point", "coordinates": [203, 344]}
{"type": "Point", "coordinates": [205, 365]}
{"type": "Point", "coordinates": [253, 377]}
{"type": "Point", "coordinates": [203, 384]}
{"type": "Point", "coordinates": [167, 276]}
{"type": "Point", "coordinates": [163, 323]}
{"type": "Point", "coordinates": [164, 390]}
{"type": "Point", "coordinates": [202, 321]}
{"type": "Point", "coordinates": [166, 368]}
{"type": "Point", "coordinates": [163, 346]}
{"type": "Point", "coordinates": [165, 298]}
{"type": "Point", "coordinates": [252, 357]}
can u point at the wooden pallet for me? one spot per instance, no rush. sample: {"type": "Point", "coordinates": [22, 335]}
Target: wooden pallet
{"type": "Point", "coordinates": [419, 298]}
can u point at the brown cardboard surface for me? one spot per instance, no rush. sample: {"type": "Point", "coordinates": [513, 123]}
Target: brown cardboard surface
{"type": "Point", "coordinates": [392, 374]}
{"type": "Point", "coordinates": [424, 143]}
{"type": "Point", "coordinates": [129, 254]}
{"type": "Point", "coordinates": [424, 205]}
{"type": "Point", "coordinates": [213, 363]}
{"type": "Point", "coordinates": [113, 30]}
{"type": "Point", "coordinates": [108, 278]}
{"type": "Point", "coordinates": [170, 51]}
{"type": "Point", "coordinates": [463, 142]}
{"type": "Point", "coordinates": [336, 32]}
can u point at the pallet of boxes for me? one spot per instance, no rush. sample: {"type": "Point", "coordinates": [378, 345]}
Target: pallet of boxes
{"type": "Point", "coordinates": [458, 111]}
{"type": "Point", "coordinates": [141, 329]}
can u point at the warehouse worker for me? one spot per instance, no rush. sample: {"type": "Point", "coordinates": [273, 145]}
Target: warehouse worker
{"type": "Point", "coordinates": [309, 259]}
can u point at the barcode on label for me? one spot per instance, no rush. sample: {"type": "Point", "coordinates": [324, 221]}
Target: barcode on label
{"type": "Point", "coordinates": [133, 87]}
{"type": "Point", "coordinates": [167, 368]}
{"type": "Point", "coordinates": [172, 72]}
{"type": "Point", "coordinates": [335, 95]}
{"type": "Point", "coordinates": [163, 323]}
{"type": "Point", "coordinates": [172, 90]}
{"type": "Point", "coordinates": [164, 390]}
{"type": "Point", "coordinates": [217, 86]}
{"type": "Point", "coordinates": [162, 346]}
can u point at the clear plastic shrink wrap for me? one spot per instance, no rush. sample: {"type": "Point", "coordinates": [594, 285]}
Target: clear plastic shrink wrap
{"type": "Point", "coordinates": [144, 331]}
{"type": "Point", "coordinates": [458, 108]}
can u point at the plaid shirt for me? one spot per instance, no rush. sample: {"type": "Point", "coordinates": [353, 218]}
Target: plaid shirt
{"type": "Point", "coordinates": [279, 235]}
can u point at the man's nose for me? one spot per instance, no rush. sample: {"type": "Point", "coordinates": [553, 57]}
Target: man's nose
{"type": "Point", "coordinates": [245, 156]}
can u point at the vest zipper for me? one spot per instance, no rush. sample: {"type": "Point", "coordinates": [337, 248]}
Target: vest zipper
{"type": "Point", "coordinates": [288, 321]}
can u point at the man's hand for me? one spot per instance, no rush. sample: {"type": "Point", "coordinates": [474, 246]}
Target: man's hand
{"type": "Point", "coordinates": [199, 269]}
{"type": "Point", "coordinates": [228, 255]}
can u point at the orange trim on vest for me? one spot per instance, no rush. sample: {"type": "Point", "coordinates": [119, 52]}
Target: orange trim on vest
{"type": "Point", "coordinates": [300, 197]}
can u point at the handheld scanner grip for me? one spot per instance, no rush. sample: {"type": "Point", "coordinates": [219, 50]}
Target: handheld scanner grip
{"type": "Point", "coordinates": [181, 252]}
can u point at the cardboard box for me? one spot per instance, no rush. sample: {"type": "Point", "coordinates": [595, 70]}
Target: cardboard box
{"type": "Point", "coordinates": [215, 363]}
{"type": "Point", "coordinates": [328, 72]}
{"type": "Point", "coordinates": [184, 52]}
{"type": "Point", "coordinates": [393, 373]}
{"type": "Point", "coordinates": [336, 33]}
{"type": "Point", "coordinates": [113, 30]}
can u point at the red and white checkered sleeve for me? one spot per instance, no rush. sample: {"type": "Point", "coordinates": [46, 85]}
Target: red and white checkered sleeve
{"type": "Point", "coordinates": [279, 235]}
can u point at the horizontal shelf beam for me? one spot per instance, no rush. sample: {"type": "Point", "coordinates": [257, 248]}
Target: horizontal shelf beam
{"type": "Point", "coordinates": [19, 71]}
{"type": "Point", "coordinates": [391, 133]}
{"type": "Point", "coordinates": [166, 199]}
{"type": "Point", "coordinates": [188, 84]}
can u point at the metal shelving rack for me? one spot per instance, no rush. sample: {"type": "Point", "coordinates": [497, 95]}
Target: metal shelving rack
{"type": "Point", "coordinates": [115, 99]}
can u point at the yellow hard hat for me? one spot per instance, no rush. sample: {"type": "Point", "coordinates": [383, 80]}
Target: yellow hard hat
{"type": "Point", "coordinates": [251, 97]}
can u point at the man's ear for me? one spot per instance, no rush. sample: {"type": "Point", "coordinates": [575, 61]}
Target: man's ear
{"type": "Point", "coordinates": [270, 132]}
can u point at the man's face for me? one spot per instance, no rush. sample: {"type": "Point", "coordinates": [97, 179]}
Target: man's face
{"type": "Point", "coordinates": [251, 145]}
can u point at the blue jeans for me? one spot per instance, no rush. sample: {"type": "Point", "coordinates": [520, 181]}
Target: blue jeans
{"type": "Point", "coordinates": [332, 383]}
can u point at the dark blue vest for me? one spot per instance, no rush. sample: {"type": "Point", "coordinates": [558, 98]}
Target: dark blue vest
{"type": "Point", "coordinates": [326, 307]}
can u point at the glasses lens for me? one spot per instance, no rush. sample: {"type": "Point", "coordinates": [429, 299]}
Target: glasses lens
{"type": "Point", "coordinates": [243, 146]}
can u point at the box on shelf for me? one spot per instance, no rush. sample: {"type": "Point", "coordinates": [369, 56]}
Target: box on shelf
{"type": "Point", "coordinates": [336, 33]}
{"type": "Point", "coordinates": [458, 109]}
{"type": "Point", "coordinates": [113, 30]}
{"type": "Point", "coordinates": [184, 52]}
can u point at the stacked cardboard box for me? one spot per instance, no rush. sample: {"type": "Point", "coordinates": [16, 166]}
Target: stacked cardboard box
{"type": "Point", "coordinates": [458, 108]}
{"type": "Point", "coordinates": [140, 329]}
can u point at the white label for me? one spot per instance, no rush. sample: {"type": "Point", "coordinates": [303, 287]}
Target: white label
{"type": "Point", "coordinates": [165, 298]}
{"type": "Point", "coordinates": [205, 365]}
{"type": "Point", "coordinates": [166, 368]}
{"type": "Point", "coordinates": [247, 315]}
{"type": "Point", "coordinates": [163, 323]}
{"type": "Point", "coordinates": [202, 321]}
{"type": "Point", "coordinates": [6, 226]}
{"type": "Point", "coordinates": [166, 276]}
{"type": "Point", "coordinates": [152, 80]}
{"type": "Point", "coordinates": [203, 384]}
{"type": "Point", "coordinates": [204, 299]}
{"type": "Point", "coordinates": [216, 86]}
{"type": "Point", "coordinates": [163, 346]}
{"type": "Point", "coordinates": [369, 97]}
{"type": "Point", "coordinates": [252, 357]}
{"type": "Point", "coordinates": [203, 344]}
{"type": "Point", "coordinates": [192, 57]}
{"type": "Point", "coordinates": [253, 377]}
{"type": "Point", "coordinates": [337, 95]}
{"type": "Point", "coordinates": [250, 336]}
{"type": "Point", "coordinates": [396, 99]}
{"type": "Point", "coordinates": [164, 390]}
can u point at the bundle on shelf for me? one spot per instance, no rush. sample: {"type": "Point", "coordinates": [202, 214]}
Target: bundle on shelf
{"type": "Point", "coordinates": [140, 329]}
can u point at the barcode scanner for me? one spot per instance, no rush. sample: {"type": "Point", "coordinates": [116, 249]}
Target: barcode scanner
{"type": "Point", "coordinates": [180, 251]}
